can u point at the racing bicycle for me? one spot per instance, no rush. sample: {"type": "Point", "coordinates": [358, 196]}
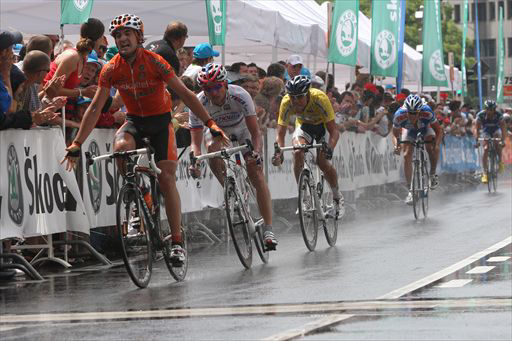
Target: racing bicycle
{"type": "Point", "coordinates": [244, 223]}
{"type": "Point", "coordinates": [140, 230]}
{"type": "Point", "coordinates": [315, 204]}
{"type": "Point", "coordinates": [420, 184]}
{"type": "Point", "coordinates": [493, 163]}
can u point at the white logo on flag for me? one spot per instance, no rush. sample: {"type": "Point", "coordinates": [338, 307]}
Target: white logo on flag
{"type": "Point", "coordinates": [216, 15]}
{"type": "Point", "coordinates": [80, 4]}
{"type": "Point", "coordinates": [346, 33]}
{"type": "Point", "coordinates": [385, 49]}
{"type": "Point", "coordinates": [436, 66]}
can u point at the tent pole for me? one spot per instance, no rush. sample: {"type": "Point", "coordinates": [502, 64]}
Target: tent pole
{"type": "Point", "coordinates": [223, 58]}
{"type": "Point", "coordinates": [314, 63]}
{"type": "Point", "coordinates": [274, 54]}
{"type": "Point", "coordinates": [61, 39]}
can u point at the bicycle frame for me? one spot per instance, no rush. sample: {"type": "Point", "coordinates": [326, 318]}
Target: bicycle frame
{"type": "Point", "coordinates": [234, 169]}
{"type": "Point", "coordinates": [308, 161]}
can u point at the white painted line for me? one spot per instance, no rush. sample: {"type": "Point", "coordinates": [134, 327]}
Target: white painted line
{"type": "Point", "coordinates": [480, 269]}
{"type": "Point", "coordinates": [308, 328]}
{"type": "Point", "coordinates": [454, 283]}
{"type": "Point", "coordinates": [497, 259]}
{"type": "Point", "coordinates": [446, 271]}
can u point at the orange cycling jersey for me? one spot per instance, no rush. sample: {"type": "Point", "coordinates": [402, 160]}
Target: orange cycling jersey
{"type": "Point", "coordinates": [142, 85]}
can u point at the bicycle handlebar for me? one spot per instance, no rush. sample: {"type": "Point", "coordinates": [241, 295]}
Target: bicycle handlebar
{"type": "Point", "coordinates": [305, 147]}
{"type": "Point", "coordinates": [223, 153]}
{"type": "Point", "coordinates": [124, 154]}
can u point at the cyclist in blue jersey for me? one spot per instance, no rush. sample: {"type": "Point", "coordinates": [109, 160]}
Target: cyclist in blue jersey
{"type": "Point", "coordinates": [490, 124]}
{"type": "Point", "coordinates": [415, 117]}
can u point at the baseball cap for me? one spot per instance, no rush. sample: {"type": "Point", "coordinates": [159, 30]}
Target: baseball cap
{"type": "Point", "coordinates": [205, 50]}
{"type": "Point", "coordinates": [294, 59]}
{"type": "Point", "coordinates": [93, 58]}
{"type": "Point", "coordinates": [16, 49]}
{"type": "Point", "coordinates": [111, 52]}
{"type": "Point", "coordinates": [6, 39]}
{"type": "Point", "coordinates": [389, 86]}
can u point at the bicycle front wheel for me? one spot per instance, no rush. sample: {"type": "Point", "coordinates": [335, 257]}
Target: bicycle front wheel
{"type": "Point", "coordinates": [133, 231]}
{"type": "Point", "coordinates": [490, 170]}
{"type": "Point", "coordinates": [426, 187]}
{"type": "Point", "coordinates": [495, 169]}
{"type": "Point", "coordinates": [331, 219]}
{"type": "Point", "coordinates": [238, 223]}
{"type": "Point", "coordinates": [307, 211]}
{"type": "Point", "coordinates": [416, 188]}
{"type": "Point", "coordinates": [177, 272]}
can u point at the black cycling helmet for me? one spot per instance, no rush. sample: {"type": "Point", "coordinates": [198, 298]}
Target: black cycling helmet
{"type": "Point", "coordinates": [299, 85]}
{"type": "Point", "coordinates": [490, 104]}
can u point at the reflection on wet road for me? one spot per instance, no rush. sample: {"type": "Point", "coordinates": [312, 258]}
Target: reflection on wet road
{"type": "Point", "coordinates": [387, 274]}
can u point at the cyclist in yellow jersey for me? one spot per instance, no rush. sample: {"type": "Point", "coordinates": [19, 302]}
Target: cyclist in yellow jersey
{"type": "Point", "coordinates": [314, 115]}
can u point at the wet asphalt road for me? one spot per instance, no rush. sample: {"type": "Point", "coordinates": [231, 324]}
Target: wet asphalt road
{"type": "Point", "coordinates": [375, 256]}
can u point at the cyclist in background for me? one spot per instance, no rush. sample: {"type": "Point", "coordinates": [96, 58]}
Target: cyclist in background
{"type": "Point", "coordinates": [232, 108]}
{"type": "Point", "coordinates": [492, 125]}
{"type": "Point", "coordinates": [314, 116]}
{"type": "Point", "coordinates": [141, 77]}
{"type": "Point", "coordinates": [416, 117]}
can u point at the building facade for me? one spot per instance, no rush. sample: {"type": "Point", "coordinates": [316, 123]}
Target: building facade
{"type": "Point", "coordinates": [488, 37]}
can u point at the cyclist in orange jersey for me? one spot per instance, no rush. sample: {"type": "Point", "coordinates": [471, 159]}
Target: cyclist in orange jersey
{"type": "Point", "coordinates": [141, 78]}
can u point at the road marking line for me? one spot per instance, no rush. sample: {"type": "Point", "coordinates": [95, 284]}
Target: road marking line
{"type": "Point", "coordinates": [498, 259]}
{"type": "Point", "coordinates": [340, 309]}
{"type": "Point", "coordinates": [309, 327]}
{"type": "Point", "coordinates": [480, 269]}
{"type": "Point", "coordinates": [454, 283]}
{"type": "Point", "coordinates": [446, 271]}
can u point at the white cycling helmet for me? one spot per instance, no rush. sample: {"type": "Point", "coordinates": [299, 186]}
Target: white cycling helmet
{"type": "Point", "coordinates": [413, 103]}
{"type": "Point", "coordinates": [210, 73]}
{"type": "Point", "coordinates": [126, 21]}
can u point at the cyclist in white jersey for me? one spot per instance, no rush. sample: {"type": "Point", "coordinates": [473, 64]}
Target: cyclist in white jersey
{"type": "Point", "coordinates": [232, 108]}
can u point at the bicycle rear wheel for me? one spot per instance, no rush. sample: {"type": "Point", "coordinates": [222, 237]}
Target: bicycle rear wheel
{"type": "Point", "coordinates": [426, 187]}
{"type": "Point", "coordinates": [331, 220]}
{"type": "Point", "coordinates": [133, 231]}
{"type": "Point", "coordinates": [416, 188]}
{"type": "Point", "coordinates": [307, 211]}
{"type": "Point", "coordinates": [238, 222]}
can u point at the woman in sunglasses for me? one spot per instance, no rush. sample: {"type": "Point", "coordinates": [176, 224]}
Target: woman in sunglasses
{"type": "Point", "coordinates": [416, 117]}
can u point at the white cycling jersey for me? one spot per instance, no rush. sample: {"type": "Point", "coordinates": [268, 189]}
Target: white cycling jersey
{"type": "Point", "coordinates": [232, 114]}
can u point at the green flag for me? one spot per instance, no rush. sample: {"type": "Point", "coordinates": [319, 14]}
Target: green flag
{"type": "Point", "coordinates": [75, 11]}
{"type": "Point", "coordinates": [465, 13]}
{"type": "Point", "coordinates": [433, 59]}
{"type": "Point", "coordinates": [343, 41]}
{"type": "Point", "coordinates": [501, 60]}
{"type": "Point", "coordinates": [216, 17]}
{"type": "Point", "coordinates": [384, 50]}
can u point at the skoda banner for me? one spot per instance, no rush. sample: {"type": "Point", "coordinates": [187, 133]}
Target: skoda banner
{"type": "Point", "coordinates": [384, 50]}
{"type": "Point", "coordinates": [75, 11]}
{"type": "Point", "coordinates": [343, 42]}
{"type": "Point", "coordinates": [465, 13]}
{"type": "Point", "coordinates": [216, 17]}
{"type": "Point", "coordinates": [433, 60]}
{"type": "Point", "coordinates": [37, 195]}
{"type": "Point", "coordinates": [501, 59]}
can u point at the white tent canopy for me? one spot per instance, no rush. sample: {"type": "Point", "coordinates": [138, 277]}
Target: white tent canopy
{"type": "Point", "coordinates": [259, 31]}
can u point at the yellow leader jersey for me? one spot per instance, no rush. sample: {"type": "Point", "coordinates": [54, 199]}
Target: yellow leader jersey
{"type": "Point", "coordinates": [317, 111]}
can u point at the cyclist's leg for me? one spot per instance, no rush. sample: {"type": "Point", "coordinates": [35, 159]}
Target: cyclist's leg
{"type": "Point", "coordinates": [216, 164]}
{"type": "Point", "coordinates": [408, 151]}
{"type": "Point", "coordinates": [300, 137]}
{"type": "Point", "coordinates": [166, 156]}
{"type": "Point", "coordinates": [432, 155]}
{"type": "Point", "coordinates": [126, 138]}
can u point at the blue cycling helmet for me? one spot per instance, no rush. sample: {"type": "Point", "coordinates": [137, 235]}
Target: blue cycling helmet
{"type": "Point", "coordinates": [299, 85]}
{"type": "Point", "coordinates": [413, 103]}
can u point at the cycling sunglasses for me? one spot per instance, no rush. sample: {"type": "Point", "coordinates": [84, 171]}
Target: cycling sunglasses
{"type": "Point", "coordinates": [413, 112]}
{"type": "Point", "coordinates": [297, 96]}
{"type": "Point", "coordinates": [213, 88]}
